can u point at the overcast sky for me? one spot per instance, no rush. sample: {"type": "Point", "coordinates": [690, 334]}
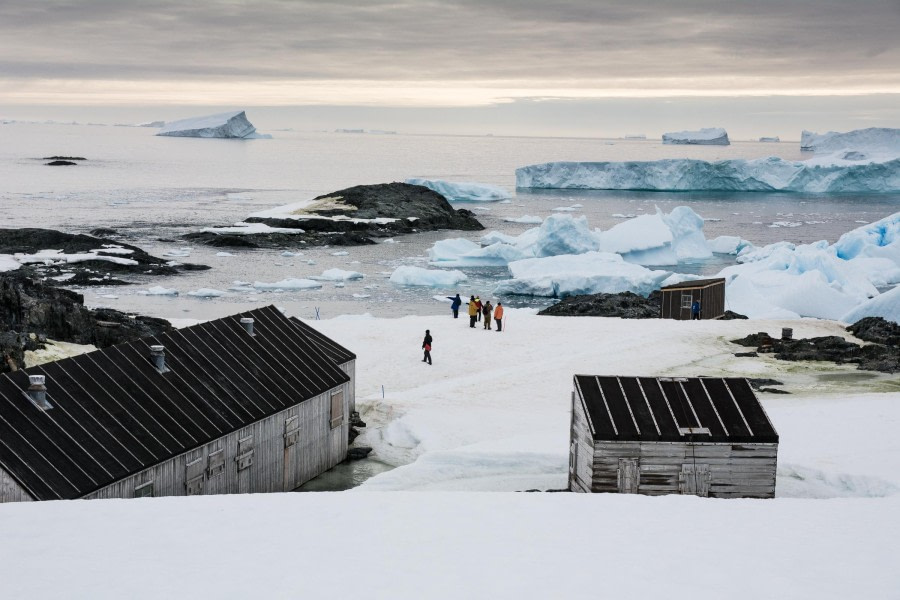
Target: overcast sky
{"type": "Point", "coordinates": [441, 54]}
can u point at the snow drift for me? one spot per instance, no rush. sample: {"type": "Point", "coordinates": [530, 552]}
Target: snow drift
{"type": "Point", "coordinates": [222, 125]}
{"type": "Point", "coordinates": [463, 191]}
{"type": "Point", "coordinates": [708, 136]}
{"type": "Point", "coordinates": [859, 161]}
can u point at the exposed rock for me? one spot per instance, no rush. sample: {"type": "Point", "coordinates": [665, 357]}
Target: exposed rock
{"type": "Point", "coordinates": [64, 158]}
{"type": "Point", "coordinates": [60, 163]}
{"type": "Point", "coordinates": [33, 311]}
{"type": "Point", "coordinates": [757, 382]}
{"type": "Point", "coordinates": [355, 421]}
{"type": "Point", "coordinates": [746, 354]}
{"type": "Point", "coordinates": [87, 272]}
{"type": "Point", "coordinates": [104, 232]}
{"type": "Point", "coordinates": [877, 330]}
{"type": "Point", "coordinates": [364, 212]}
{"type": "Point", "coordinates": [731, 315]}
{"type": "Point", "coordinates": [358, 452]}
{"type": "Point", "coordinates": [626, 305]}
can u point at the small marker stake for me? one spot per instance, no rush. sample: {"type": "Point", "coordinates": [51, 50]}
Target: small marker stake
{"type": "Point", "coordinates": [382, 392]}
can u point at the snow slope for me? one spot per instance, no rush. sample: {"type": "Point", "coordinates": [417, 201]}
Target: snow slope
{"type": "Point", "coordinates": [232, 124]}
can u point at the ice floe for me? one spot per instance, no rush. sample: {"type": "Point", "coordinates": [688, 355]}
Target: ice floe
{"type": "Point", "coordinates": [525, 219]}
{"type": "Point", "coordinates": [409, 275]}
{"type": "Point", "coordinates": [338, 275]}
{"type": "Point", "coordinates": [158, 290]}
{"type": "Point", "coordinates": [288, 284]}
{"type": "Point", "coordinates": [232, 124]}
{"type": "Point", "coordinates": [206, 293]}
{"type": "Point", "coordinates": [463, 191]}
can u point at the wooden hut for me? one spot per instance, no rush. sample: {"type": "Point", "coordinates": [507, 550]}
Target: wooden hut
{"type": "Point", "coordinates": [676, 299]}
{"type": "Point", "coordinates": [707, 436]}
{"type": "Point", "coordinates": [254, 402]}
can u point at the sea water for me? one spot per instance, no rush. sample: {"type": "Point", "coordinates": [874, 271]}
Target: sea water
{"type": "Point", "coordinates": [153, 190]}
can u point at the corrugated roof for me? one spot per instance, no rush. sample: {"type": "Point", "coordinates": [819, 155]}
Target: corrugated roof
{"type": "Point", "coordinates": [696, 283]}
{"type": "Point", "coordinates": [328, 346]}
{"type": "Point", "coordinates": [114, 414]}
{"type": "Point", "coordinates": [674, 409]}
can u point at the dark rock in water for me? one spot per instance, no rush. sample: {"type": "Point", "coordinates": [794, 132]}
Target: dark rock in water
{"type": "Point", "coordinates": [730, 316]}
{"type": "Point", "coordinates": [877, 330]}
{"type": "Point", "coordinates": [104, 232]}
{"type": "Point", "coordinates": [64, 158]}
{"type": "Point", "coordinates": [352, 434]}
{"type": "Point", "coordinates": [758, 382]}
{"type": "Point", "coordinates": [626, 305]}
{"type": "Point", "coordinates": [746, 354]}
{"type": "Point", "coordinates": [366, 211]}
{"type": "Point", "coordinates": [358, 453]}
{"type": "Point", "coordinates": [29, 306]}
{"type": "Point", "coordinates": [355, 421]}
{"type": "Point", "coordinates": [772, 391]}
{"type": "Point", "coordinates": [871, 357]}
{"type": "Point", "coordinates": [60, 163]}
{"type": "Point", "coordinates": [88, 272]}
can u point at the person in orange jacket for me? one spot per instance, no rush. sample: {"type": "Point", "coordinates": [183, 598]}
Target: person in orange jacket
{"type": "Point", "coordinates": [498, 316]}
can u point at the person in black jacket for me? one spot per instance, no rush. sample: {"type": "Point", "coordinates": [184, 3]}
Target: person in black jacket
{"type": "Point", "coordinates": [426, 346]}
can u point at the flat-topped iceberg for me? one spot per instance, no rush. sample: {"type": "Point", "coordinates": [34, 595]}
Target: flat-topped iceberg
{"type": "Point", "coordinates": [708, 136]}
{"type": "Point", "coordinates": [408, 275]}
{"type": "Point", "coordinates": [463, 191]}
{"type": "Point", "coordinates": [866, 160]}
{"type": "Point", "coordinates": [222, 125]}
{"type": "Point", "coordinates": [772, 138]}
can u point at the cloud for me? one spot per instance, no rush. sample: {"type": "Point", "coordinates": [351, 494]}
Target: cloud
{"type": "Point", "coordinates": [606, 46]}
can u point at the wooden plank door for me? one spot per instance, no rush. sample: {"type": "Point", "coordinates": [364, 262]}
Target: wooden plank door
{"type": "Point", "coordinates": [573, 463]}
{"type": "Point", "coordinates": [629, 475]}
{"type": "Point", "coordinates": [694, 479]}
{"type": "Point", "coordinates": [291, 447]}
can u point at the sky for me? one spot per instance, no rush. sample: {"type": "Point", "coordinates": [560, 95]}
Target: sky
{"type": "Point", "coordinates": [473, 66]}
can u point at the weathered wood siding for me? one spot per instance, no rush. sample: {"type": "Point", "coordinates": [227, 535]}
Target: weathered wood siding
{"type": "Point", "coordinates": [288, 449]}
{"type": "Point", "coordinates": [581, 448]}
{"type": "Point", "coordinates": [349, 368]}
{"type": "Point", "coordinates": [711, 298]}
{"type": "Point", "coordinates": [10, 491]}
{"type": "Point", "coordinates": [735, 470]}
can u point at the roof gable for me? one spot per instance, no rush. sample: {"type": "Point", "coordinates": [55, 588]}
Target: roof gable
{"type": "Point", "coordinates": [114, 414]}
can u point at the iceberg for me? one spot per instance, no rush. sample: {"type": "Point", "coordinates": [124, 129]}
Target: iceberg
{"type": "Point", "coordinates": [338, 275]}
{"type": "Point", "coordinates": [158, 290]}
{"type": "Point", "coordinates": [773, 138]}
{"type": "Point", "coordinates": [206, 293]}
{"type": "Point", "coordinates": [878, 239]}
{"type": "Point", "coordinates": [728, 244]}
{"type": "Point", "coordinates": [708, 136]}
{"type": "Point", "coordinates": [879, 139]}
{"type": "Point", "coordinates": [660, 239]}
{"type": "Point", "coordinates": [885, 305]}
{"type": "Point", "coordinates": [407, 275]}
{"type": "Point", "coordinates": [569, 275]}
{"type": "Point", "coordinates": [222, 125]}
{"type": "Point", "coordinates": [463, 191]}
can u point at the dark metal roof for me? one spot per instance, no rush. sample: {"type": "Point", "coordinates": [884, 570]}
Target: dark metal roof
{"type": "Point", "coordinates": [114, 414]}
{"type": "Point", "coordinates": [673, 409]}
{"type": "Point", "coordinates": [696, 283]}
{"type": "Point", "coordinates": [326, 345]}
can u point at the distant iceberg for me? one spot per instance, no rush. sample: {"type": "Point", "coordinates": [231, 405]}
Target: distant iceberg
{"type": "Point", "coordinates": [223, 125]}
{"type": "Point", "coordinates": [463, 191]}
{"type": "Point", "coordinates": [708, 136]}
{"type": "Point", "coordinates": [774, 138]}
{"type": "Point", "coordinates": [862, 161]}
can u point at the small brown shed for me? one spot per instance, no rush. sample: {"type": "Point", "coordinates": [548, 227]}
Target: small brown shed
{"type": "Point", "coordinates": [704, 436]}
{"type": "Point", "coordinates": [676, 299]}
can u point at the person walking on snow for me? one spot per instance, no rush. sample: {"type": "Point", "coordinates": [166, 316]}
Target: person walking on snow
{"type": "Point", "coordinates": [454, 306]}
{"type": "Point", "coordinates": [473, 310]}
{"type": "Point", "coordinates": [479, 306]}
{"type": "Point", "coordinates": [487, 310]}
{"type": "Point", "coordinates": [426, 346]}
{"type": "Point", "coordinates": [498, 316]}
{"type": "Point", "coordinates": [695, 311]}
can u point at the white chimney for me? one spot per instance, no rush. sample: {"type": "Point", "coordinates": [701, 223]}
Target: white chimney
{"type": "Point", "coordinates": [37, 391]}
{"type": "Point", "coordinates": [158, 356]}
{"type": "Point", "coordinates": [247, 322]}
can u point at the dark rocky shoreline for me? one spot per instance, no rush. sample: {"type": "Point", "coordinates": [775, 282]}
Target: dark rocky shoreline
{"type": "Point", "coordinates": [414, 208]}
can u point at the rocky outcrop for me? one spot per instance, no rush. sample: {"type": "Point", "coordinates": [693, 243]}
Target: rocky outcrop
{"type": "Point", "coordinates": [877, 330]}
{"type": "Point", "coordinates": [85, 272]}
{"type": "Point", "coordinates": [870, 357]}
{"type": "Point", "coordinates": [350, 217]}
{"type": "Point", "coordinates": [60, 163]}
{"type": "Point", "coordinates": [32, 311]}
{"type": "Point", "coordinates": [626, 305]}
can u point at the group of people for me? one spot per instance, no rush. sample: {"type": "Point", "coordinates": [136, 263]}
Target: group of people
{"type": "Point", "coordinates": [477, 310]}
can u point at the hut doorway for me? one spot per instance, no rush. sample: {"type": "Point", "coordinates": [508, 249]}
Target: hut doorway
{"type": "Point", "coordinates": [629, 475]}
{"type": "Point", "coordinates": [694, 479]}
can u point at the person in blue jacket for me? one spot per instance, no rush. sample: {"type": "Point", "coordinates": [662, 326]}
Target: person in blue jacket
{"type": "Point", "coordinates": [695, 311]}
{"type": "Point", "coordinates": [457, 302]}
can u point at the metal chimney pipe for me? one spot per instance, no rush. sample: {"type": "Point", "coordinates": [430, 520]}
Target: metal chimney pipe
{"type": "Point", "coordinates": [37, 391]}
{"type": "Point", "coordinates": [158, 356]}
{"type": "Point", "coordinates": [247, 322]}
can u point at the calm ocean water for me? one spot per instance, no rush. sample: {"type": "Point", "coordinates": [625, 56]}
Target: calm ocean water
{"type": "Point", "coordinates": [156, 188]}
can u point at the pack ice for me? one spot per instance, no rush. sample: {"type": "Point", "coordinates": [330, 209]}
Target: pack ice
{"type": "Point", "coordinates": [708, 136]}
{"type": "Point", "coordinates": [463, 191]}
{"type": "Point", "coordinates": [222, 125]}
{"type": "Point", "coordinates": [865, 160]}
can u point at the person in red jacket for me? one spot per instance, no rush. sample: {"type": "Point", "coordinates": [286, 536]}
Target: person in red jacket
{"type": "Point", "coordinates": [478, 307]}
{"type": "Point", "coordinates": [426, 346]}
{"type": "Point", "coordinates": [498, 316]}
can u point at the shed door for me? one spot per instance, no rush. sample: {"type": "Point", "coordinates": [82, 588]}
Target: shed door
{"type": "Point", "coordinates": [694, 479]}
{"type": "Point", "coordinates": [629, 475]}
{"type": "Point", "coordinates": [291, 449]}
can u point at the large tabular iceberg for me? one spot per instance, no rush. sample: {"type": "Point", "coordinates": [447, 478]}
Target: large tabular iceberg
{"type": "Point", "coordinates": [222, 125]}
{"type": "Point", "coordinates": [463, 191]}
{"type": "Point", "coordinates": [708, 136]}
{"type": "Point", "coordinates": [858, 161]}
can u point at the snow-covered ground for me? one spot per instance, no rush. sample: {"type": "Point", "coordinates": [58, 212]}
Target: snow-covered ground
{"type": "Point", "coordinates": [492, 415]}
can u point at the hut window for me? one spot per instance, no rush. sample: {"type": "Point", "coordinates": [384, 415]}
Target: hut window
{"type": "Point", "coordinates": [145, 490]}
{"type": "Point", "coordinates": [194, 476]}
{"type": "Point", "coordinates": [244, 456]}
{"type": "Point", "coordinates": [337, 409]}
{"type": "Point", "coordinates": [686, 300]}
{"type": "Point", "coordinates": [216, 464]}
